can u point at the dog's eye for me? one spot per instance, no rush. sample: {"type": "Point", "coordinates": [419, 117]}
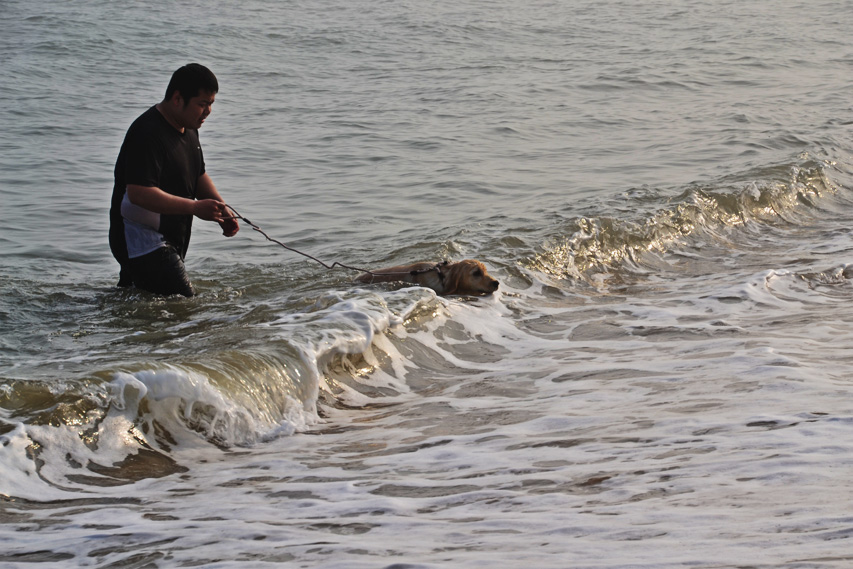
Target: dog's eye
{"type": "Point", "coordinates": [478, 273]}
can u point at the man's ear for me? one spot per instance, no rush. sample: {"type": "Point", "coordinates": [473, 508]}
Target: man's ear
{"type": "Point", "coordinates": [177, 100]}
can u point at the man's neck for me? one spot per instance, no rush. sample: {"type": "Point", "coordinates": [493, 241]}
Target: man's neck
{"type": "Point", "coordinates": [164, 110]}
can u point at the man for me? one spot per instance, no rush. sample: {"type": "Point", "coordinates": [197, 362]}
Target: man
{"type": "Point", "coordinates": [161, 183]}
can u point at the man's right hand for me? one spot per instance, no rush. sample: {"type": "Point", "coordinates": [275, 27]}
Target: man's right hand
{"type": "Point", "coordinates": [210, 210]}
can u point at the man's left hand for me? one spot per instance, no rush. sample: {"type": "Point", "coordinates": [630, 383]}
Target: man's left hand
{"type": "Point", "coordinates": [230, 227]}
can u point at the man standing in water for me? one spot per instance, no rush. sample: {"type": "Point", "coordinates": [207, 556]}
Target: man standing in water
{"type": "Point", "coordinates": [161, 183]}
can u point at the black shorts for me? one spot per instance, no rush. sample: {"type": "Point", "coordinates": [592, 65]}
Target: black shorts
{"type": "Point", "coordinates": [161, 272]}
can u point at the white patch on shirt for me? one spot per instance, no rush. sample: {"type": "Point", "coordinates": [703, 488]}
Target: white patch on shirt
{"type": "Point", "coordinates": [140, 229]}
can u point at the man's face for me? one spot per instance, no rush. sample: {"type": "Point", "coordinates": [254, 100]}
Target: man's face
{"type": "Point", "coordinates": [195, 110]}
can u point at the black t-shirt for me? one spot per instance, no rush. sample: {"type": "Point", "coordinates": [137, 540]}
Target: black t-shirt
{"type": "Point", "coordinates": [155, 154]}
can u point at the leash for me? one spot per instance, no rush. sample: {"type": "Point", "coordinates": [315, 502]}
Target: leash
{"type": "Point", "coordinates": [336, 263]}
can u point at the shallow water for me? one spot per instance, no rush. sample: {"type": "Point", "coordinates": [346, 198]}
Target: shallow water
{"type": "Point", "coordinates": [663, 190]}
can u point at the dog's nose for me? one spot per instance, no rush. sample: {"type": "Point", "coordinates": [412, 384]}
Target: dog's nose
{"type": "Point", "coordinates": [495, 285]}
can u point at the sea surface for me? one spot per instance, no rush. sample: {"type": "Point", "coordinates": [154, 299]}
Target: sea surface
{"type": "Point", "coordinates": [663, 380]}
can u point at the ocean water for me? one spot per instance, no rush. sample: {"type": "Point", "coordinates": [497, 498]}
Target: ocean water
{"type": "Point", "coordinates": [664, 190]}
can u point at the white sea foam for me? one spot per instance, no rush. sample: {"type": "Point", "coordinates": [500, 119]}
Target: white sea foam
{"type": "Point", "coordinates": [602, 431]}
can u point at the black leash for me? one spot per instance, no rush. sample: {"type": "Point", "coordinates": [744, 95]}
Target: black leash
{"type": "Point", "coordinates": [335, 264]}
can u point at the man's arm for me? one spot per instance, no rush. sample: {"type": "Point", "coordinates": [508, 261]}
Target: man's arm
{"type": "Point", "coordinates": [206, 190]}
{"type": "Point", "coordinates": [156, 200]}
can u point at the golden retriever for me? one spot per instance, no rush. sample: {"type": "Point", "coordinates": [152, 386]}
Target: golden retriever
{"type": "Point", "coordinates": [467, 277]}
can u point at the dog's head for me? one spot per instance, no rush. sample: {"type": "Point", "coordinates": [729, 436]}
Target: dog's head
{"type": "Point", "coordinates": [468, 277]}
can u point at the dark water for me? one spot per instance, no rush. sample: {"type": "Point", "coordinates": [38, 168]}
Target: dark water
{"type": "Point", "coordinates": [663, 190]}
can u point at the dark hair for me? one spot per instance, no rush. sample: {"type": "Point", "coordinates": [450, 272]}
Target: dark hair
{"type": "Point", "coordinates": [189, 80]}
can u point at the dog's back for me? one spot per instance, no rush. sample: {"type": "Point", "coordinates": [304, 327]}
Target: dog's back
{"type": "Point", "coordinates": [465, 277]}
{"type": "Point", "coordinates": [400, 273]}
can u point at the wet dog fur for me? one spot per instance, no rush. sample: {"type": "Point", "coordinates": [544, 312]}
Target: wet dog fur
{"type": "Point", "coordinates": [468, 277]}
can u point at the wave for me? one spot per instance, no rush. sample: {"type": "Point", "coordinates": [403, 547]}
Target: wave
{"type": "Point", "coordinates": [114, 427]}
{"type": "Point", "coordinates": [771, 195]}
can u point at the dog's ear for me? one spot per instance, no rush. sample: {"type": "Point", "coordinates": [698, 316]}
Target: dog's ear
{"type": "Point", "coordinates": [454, 275]}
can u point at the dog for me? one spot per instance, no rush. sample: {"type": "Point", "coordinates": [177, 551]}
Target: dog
{"type": "Point", "coordinates": [468, 277]}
